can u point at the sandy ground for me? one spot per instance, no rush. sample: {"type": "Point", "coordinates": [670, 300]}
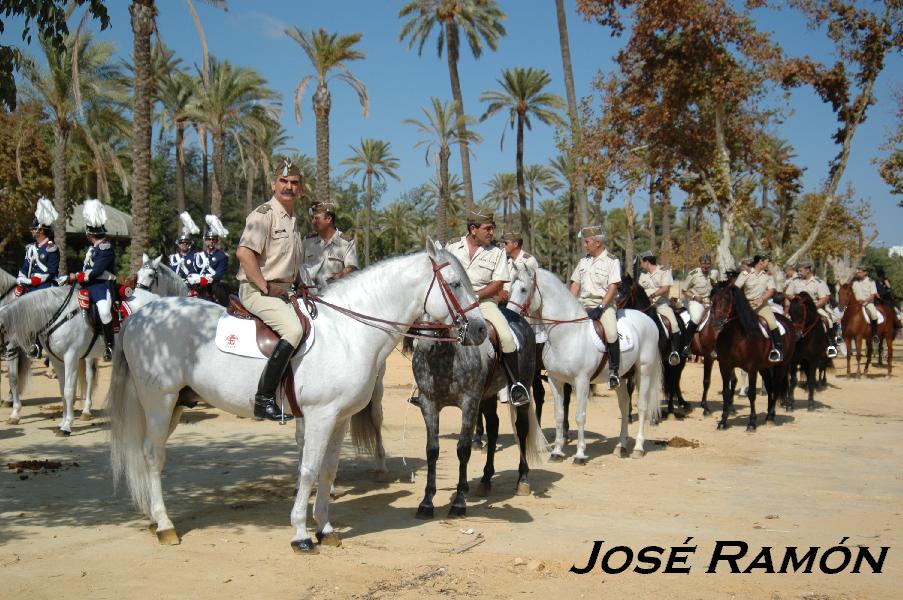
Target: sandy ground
{"type": "Point", "coordinates": [809, 481]}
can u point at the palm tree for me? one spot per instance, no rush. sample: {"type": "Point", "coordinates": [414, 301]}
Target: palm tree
{"type": "Point", "coordinates": [455, 199]}
{"type": "Point", "coordinates": [175, 92]}
{"type": "Point", "coordinates": [521, 96]}
{"type": "Point", "coordinates": [443, 128]}
{"type": "Point", "coordinates": [100, 81]}
{"type": "Point", "coordinates": [259, 137]}
{"type": "Point", "coordinates": [327, 52]}
{"type": "Point", "coordinates": [372, 159]}
{"type": "Point", "coordinates": [102, 143]}
{"type": "Point", "coordinates": [481, 22]}
{"type": "Point", "coordinates": [396, 220]}
{"type": "Point", "coordinates": [539, 178]}
{"type": "Point", "coordinates": [502, 194]}
{"type": "Point", "coordinates": [228, 98]}
{"type": "Point", "coordinates": [565, 171]}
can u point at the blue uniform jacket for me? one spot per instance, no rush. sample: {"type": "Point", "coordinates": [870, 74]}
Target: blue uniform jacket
{"type": "Point", "coordinates": [41, 265]}
{"type": "Point", "coordinates": [183, 266]}
{"type": "Point", "coordinates": [99, 270]}
{"type": "Point", "coordinates": [211, 266]}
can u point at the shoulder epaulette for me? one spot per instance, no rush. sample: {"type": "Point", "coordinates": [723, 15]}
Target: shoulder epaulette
{"type": "Point", "coordinates": [347, 237]}
{"type": "Point", "coordinates": [527, 255]}
{"type": "Point", "coordinates": [52, 248]}
{"type": "Point", "coordinates": [263, 209]}
{"type": "Point", "coordinates": [104, 245]}
{"type": "Point", "coordinates": [311, 236]}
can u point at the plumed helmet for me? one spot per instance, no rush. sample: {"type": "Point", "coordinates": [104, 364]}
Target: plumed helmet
{"type": "Point", "coordinates": [187, 228]}
{"type": "Point", "coordinates": [215, 228]}
{"type": "Point", "coordinates": [95, 217]}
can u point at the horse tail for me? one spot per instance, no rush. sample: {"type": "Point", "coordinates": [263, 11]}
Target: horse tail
{"type": "Point", "coordinates": [81, 380]}
{"type": "Point", "coordinates": [23, 370]}
{"type": "Point", "coordinates": [364, 432]}
{"type": "Point", "coordinates": [127, 433]}
{"type": "Point", "coordinates": [650, 387]}
{"type": "Point", "coordinates": [538, 448]}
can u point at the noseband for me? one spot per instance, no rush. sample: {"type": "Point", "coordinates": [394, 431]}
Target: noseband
{"type": "Point", "coordinates": [458, 314]}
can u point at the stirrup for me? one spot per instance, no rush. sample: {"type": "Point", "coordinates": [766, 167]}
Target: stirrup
{"type": "Point", "coordinates": [674, 358]}
{"type": "Point", "coordinates": [774, 355]}
{"type": "Point", "coordinates": [108, 353]}
{"type": "Point", "coordinates": [415, 400]}
{"type": "Point", "coordinates": [34, 351]}
{"type": "Point", "coordinates": [832, 352]}
{"type": "Point", "coordinates": [526, 395]}
{"type": "Point", "coordinates": [614, 381]}
{"type": "Point", "coordinates": [876, 339]}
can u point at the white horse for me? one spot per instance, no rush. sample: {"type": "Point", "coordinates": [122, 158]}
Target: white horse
{"type": "Point", "coordinates": [54, 317]}
{"type": "Point", "coordinates": [159, 280]}
{"type": "Point", "coordinates": [571, 356]}
{"type": "Point", "coordinates": [154, 367]}
{"type": "Point", "coordinates": [18, 365]}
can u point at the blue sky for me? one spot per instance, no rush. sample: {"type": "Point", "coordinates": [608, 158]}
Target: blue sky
{"type": "Point", "coordinates": [400, 82]}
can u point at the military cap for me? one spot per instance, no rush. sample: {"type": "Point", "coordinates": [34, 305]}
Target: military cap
{"type": "Point", "coordinates": [283, 167]}
{"type": "Point", "coordinates": [592, 231]}
{"type": "Point", "coordinates": [746, 261]}
{"type": "Point", "coordinates": [806, 262]}
{"type": "Point", "coordinates": [513, 236]}
{"type": "Point", "coordinates": [480, 216]}
{"type": "Point", "coordinates": [862, 268]}
{"type": "Point", "coordinates": [705, 258]}
{"type": "Point", "coordinates": [323, 207]}
{"type": "Point", "coordinates": [647, 255]}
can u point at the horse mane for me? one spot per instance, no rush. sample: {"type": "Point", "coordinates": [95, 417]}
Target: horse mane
{"type": "Point", "coordinates": [630, 286]}
{"type": "Point", "coordinates": [170, 284]}
{"type": "Point", "coordinates": [553, 289]}
{"type": "Point", "coordinates": [29, 314]}
{"type": "Point", "coordinates": [804, 299]}
{"type": "Point", "coordinates": [747, 316]}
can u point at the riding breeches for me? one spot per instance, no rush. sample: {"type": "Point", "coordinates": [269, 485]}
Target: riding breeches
{"type": "Point", "coordinates": [871, 310]}
{"type": "Point", "coordinates": [105, 309]}
{"type": "Point", "coordinates": [609, 320]}
{"type": "Point", "coordinates": [275, 312]}
{"type": "Point", "coordinates": [696, 310]}
{"type": "Point", "coordinates": [766, 313]}
{"type": "Point", "coordinates": [827, 315]}
{"type": "Point", "coordinates": [665, 310]}
{"type": "Point", "coordinates": [492, 314]}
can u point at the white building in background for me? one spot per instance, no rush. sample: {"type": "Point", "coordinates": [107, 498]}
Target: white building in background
{"type": "Point", "coordinates": [895, 251]}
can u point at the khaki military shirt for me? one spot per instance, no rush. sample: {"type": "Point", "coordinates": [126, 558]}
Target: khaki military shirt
{"type": "Point", "coordinates": [863, 288]}
{"type": "Point", "coordinates": [594, 276]}
{"type": "Point", "coordinates": [270, 232]}
{"type": "Point", "coordinates": [698, 285]}
{"type": "Point", "coordinates": [790, 285]}
{"type": "Point", "coordinates": [651, 282]}
{"type": "Point", "coordinates": [332, 257]}
{"type": "Point", "coordinates": [754, 284]}
{"type": "Point", "coordinates": [487, 264]}
{"type": "Point", "coordinates": [815, 287]}
{"type": "Point", "coordinates": [524, 262]}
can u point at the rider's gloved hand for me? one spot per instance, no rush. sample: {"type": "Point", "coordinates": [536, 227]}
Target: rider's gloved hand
{"type": "Point", "coordinates": [594, 313]}
{"type": "Point", "coordinates": [193, 279]}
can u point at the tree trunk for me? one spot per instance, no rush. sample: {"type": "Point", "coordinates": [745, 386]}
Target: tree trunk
{"type": "Point", "coordinates": [143, 13]}
{"type": "Point", "coordinates": [452, 46]}
{"type": "Point", "coordinates": [564, 41]}
{"type": "Point", "coordinates": [219, 156]}
{"type": "Point", "coordinates": [571, 246]}
{"type": "Point", "coordinates": [60, 139]}
{"type": "Point", "coordinates": [249, 187]}
{"type": "Point", "coordinates": [666, 227]}
{"type": "Point", "coordinates": [205, 175]}
{"type": "Point", "coordinates": [180, 166]}
{"type": "Point", "coordinates": [521, 189]}
{"type": "Point", "coordinates": [442, 204]}
{"type": "Point", "coordinates": [629, 213]}
{"type": "Point", "coordinates": [369, 219]}
{"type": "Point", "coordinates": [725, 201]}
{"type": "Point", "coordinates": [322, 106]}
{"type": "Point", "coordinates": [652, 237]}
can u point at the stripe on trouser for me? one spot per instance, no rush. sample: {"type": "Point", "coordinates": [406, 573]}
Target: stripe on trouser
{"type": "Point", "coordinates": [492, 314]}
{"type": "Point", "coordinates": [273, 311]}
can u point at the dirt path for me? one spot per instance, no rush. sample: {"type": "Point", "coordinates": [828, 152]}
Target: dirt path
{"type": "Point", "coordinates": [229, 483]}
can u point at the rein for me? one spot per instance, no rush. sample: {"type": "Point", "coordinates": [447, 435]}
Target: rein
{"type": "Point", "coordinates": [802, 329]}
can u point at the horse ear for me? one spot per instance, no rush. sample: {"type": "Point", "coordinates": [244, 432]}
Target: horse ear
{"type": "Point", "coordinates": [432, 247]}
{"type": "Point", "coordinates": [157, 261]}
{"type": "Point", "coordinates": [145, 258]}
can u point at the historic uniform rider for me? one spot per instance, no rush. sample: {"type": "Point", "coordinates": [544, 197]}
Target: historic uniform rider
{"type": "Point", "coordinates": [697, 293]}
{"type": "Point", "coordinates": [866, 292]}
{"type": "Point", "coordinates": [211, 263]}
{"type": "Point", "coordinates": [657, 281]}
{"type": "Point", "coordinates": [757, 285]}
{"type": "Point", "coordinates": [41, 266]}
{"type": "Point", "coordinates": [98, 272]}
{"type": "Point", "coordinates": [595, 284]}
{"type": "Point", "coordinates": [487, 268]}
{"type": "Point", "coordinates": [818, 290]}
{"type": "Point", "coordinates": [328, 253]}
{"type": "Point", "coordinates": [270, 257]}
{"type": "Point", "coordinates": [182, 261]}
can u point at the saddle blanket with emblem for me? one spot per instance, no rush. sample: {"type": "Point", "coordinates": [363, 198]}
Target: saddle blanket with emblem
{"type": "Point", "coordinates": [865, 314]}
{"type": "Point", "coordinates": [239, 336]}
{"type": "Point", "coordinates": [625, 337]}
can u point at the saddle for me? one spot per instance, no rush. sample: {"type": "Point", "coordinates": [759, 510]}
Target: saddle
{"type": "Point", "coordinates": [266, 337]}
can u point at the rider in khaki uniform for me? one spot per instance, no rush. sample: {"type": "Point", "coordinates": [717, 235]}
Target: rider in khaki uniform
{"type": "Point", "coordinates": [595, 283]}
{"type": "Point", "coordinates": [518, 259]}
{"type": "Point", "coordinates": [818, 290]}
{"type": "Point", "coordinates": [657, 281]}
{"type": "Point", "coordinates": [865, 290]}
{"type": "Point", "coordinates": [758, 286]}
{"type": "Point", "coordinates": [698, 290]}
{"type": "Point", "coordinates": [270, 257]}
{"type": "Point", "coordinates": [327, 251]}
{"type": "Point", "coordinates": [487, 268]}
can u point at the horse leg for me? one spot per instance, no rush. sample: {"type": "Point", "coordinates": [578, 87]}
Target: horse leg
{"type": "Point", "coordinates": [90, 374]}
{"type": "Point", "coordinates": [794, 367]}
{"type": "Point", "coordinates": [489, 410]}
{"type": "Point", "coordinates": [522, 429]}
{"type": "Point", "coordinates": [624, 404]}
{"type": "Point", "coordinates": [319, 429]}
{"type": "Point", "coordinates": [813, 381]}
{"type": "Point", "coordinates": [326, 535]}
{"type": "Point", "coordinates": [868, 353]}
{"type": "Point", "coordinates": [558, 396]}
{"type": "Point", "coordinates": [751, 394]}
{"type": "Point", "coordinates": [706, 381]}
{"type": "Point", "coordinates": [669, 388]}
{"type": "Point", "coordinates": [14, 361]}
{"type": "Point", "coordinates": [431, 419]}
{"type": "Point", "coordinates": [581, 390]}
{"type": "Point", "coordinates": [477, 441]}
{"type": "Point", "coordinates": [681, 403]}
{"type": "Point", "coordinates": [67, 384]}
{"type": "Point", "coordinates": [889, 340]}
{"type": "Point", "coordinates": [566, 407]}
{"type": "Point", "coordinates": [848, 342]}
{"type": "Point", "coordinates": [376, 417]}
{"type": "Point", "coordinates": [729, 382]}
{"type": "Point", "coordinates": [539, 396]}
{"type": "Point", "coordinates": [157, 430]}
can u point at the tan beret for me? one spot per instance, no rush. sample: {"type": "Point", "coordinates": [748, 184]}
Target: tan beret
{"type": "Point", "coordinates": [588, 232]}
{"type": "Point", "coordinates": [283, 167]}
{"type": "Point", "coordinates": [323, 207]}
{"type": "Point", "coordinates": [513, 237]}
{"type": "Point", "coordinates": [480, 216]}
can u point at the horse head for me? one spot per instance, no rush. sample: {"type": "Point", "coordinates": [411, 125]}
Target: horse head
{"type": "Point", "coordinates": [845, 295]}
{"type": "Point", "coordinates": [722, 305]}
{"type": "Point", "coordinates": [525, 297]}
{"type": "Point", "coordinates": [450, 298]}
{"type": "Point", "coordinates": [802, 310]}
{"type": "Point", "coordinates": [631, 294]}
{"type": "Point", "coordinates": [148, 274]}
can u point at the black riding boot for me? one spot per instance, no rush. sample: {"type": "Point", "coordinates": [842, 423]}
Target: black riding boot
{"type": "Point", "coordinates": [614, 363]}
{"type": "Point", "coordinates": [691, 331]}
{"type": "Point", "coordinates": [674, 356]}
{"type": "Point", "coordinates": [108, 341]}
{"type": "Point", "coordinates": [875, 338]}
{"type": "Point", "coordinates": [776, 354]}
{"type": "Point", "coordinates": [838, 338]}
{"type": "Point", "coordinates": [265, 399]}
{"type": "Point", "coordinates": [517, 392]}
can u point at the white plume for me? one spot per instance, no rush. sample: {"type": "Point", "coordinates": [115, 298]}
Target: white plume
{"type": "Point", "coordinates": [188, 226]}
{"type": "Point", "coordinates": [216, 227]}
{"type": "Point", "coordinates": [94, 212]}
{"type": "Point", "coordinates": [45, 212]}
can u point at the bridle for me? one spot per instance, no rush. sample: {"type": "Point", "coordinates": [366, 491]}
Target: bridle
{"type": "Point", "coordinates": [525, 307]}
{"type": "Point", "coordinates": [154, 280]}
{"type": "Point", "coordinates": [719, 316]}
{"type": "Point", "coordinates": [803, 328]}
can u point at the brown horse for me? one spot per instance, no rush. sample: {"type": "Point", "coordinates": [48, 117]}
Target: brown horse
{"type": "Point", "coordinates": [855, 326]}
{"type": "Point", "coordinates": [740, 345]}
{"type": "Point", "coordinates": [703, 344]}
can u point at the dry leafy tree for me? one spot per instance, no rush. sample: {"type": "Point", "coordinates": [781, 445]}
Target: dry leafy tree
{"type": "Point", "coordinates": [891, 166]}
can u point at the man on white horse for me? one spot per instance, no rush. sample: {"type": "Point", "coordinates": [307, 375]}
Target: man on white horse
{"type": "Point", "coordinates": [42, 258]}
{"type": "Point", "coordinates": [595, 283]}
{"type": "Point", "coordinates": [182, 261]}
{"type": "Point", "coordinates": [328, 252]}
{"type": "Point", "coordinates": [865, 290]}
{"type": "Point", "coordinates": [757, 285]}
{"type": "Point", "coordinates": [657, 281]}
{"type": "Point", "coordinates": [697, 292]}
{"type": "Point", "coordinates": [270, 255]}
{"type": "Point", "coordinates": [487, 269]}
{"type": "Point", "coordinates": [98, 272]}
{"type": "Point", "coordinates": [210, 264]}
{"type": "Point", "coordinates": [818, 290]}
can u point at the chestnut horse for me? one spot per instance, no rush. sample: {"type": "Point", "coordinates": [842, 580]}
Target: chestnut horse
{"type": "Point", "coordinates": [855, 326]}
{"type": "Point", "coordinates": [742, 345]}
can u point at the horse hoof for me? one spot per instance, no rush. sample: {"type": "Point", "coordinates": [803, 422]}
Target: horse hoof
{"type": "Point", "coordinates": [12, 421]}
{"type": "Point", "coordinates": [457, 512]}
{"type": "Point", "coordinates": [721, 425]}
{"type": "Point", "coordinates": [425, 512]}
{"type": "Point", "coordinates": [523, 489]}
{"type": "Point", "coordinates": [329, 539]}
{"type": "Point", "coordinates": [556, 458]}
{"type": "Point", "coordinates": [483, 489]}
{"type": "Point", "coordinates": [811, 408]}
{"type": "Point", "coordinates": [382, 476]}
{"type": "Point", "coordinates": [706, 412]}
{"type": "Point", "coordinates": [304, 547]}
{"type": "Point", "coordinates": [86, 416]}
{"type": "Point", "coordinates": [638, 453]}
{"type": "Point", "coordinates": [580, 460]}
{"type": "Point", "coordinates": [62, 433]}
{"type": "Point", "coordinates": [621, 452]}
{"type": "Point", "coordinates": [168, 537]}
{"type": "Point", "coordinates": [750, 429]}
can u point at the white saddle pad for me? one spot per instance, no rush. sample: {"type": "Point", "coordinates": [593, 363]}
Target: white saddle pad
{"type": "Point", "coordinates": [867, 318]}
{"type": "Point", "coordinates": [239, 336]}
{"type": "Point", "coordinates": [517, 342]}
{"type": "Point", "coordinates": [777, 309]}
{"type": "Point", "coordinates": [625, 336]}
{"type": "Point", "coordinates": [764, 329]}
